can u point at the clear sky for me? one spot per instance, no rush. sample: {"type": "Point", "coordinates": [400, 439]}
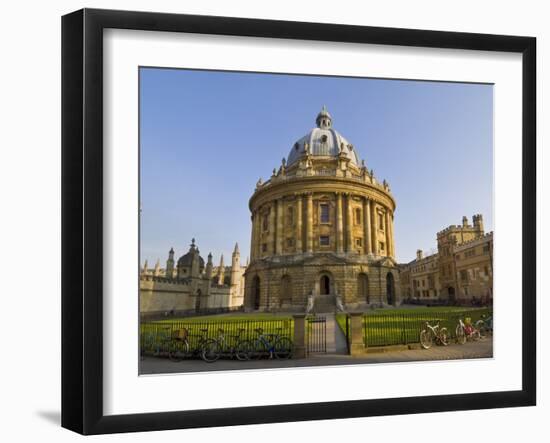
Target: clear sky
{"type": "Point", "coordinates": [206, 138]}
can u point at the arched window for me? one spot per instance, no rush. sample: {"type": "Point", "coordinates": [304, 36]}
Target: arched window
{"type": "Point", "coordinates": [256, 292]}
{"type": "Point", "coordinates": [390, 288]}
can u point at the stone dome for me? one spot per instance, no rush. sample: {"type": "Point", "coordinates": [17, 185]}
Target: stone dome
{"type": "Point", "coordinates": [323, 140]}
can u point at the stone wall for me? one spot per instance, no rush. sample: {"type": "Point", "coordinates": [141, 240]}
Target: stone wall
{"type": "Point", "coordinates": [287, 287]}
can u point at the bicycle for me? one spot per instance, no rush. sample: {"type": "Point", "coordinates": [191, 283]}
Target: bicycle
{"type": "Point", "coordinates": [431, 333]}
{"type": "Point", "coordinates": [485, 325]}
{"type": "Point", "coordinates": [269, 345]}
{"type": "Point", "coordinates": [215, 348]}
{"type": "Point", "coordinates": [179, 345]}
{"type": "Point", "coordinates": [162, 341]}
{"type": "Point", "coordinates": [466, 331]}
{"type": "Point", "coordinates": [149, 344]}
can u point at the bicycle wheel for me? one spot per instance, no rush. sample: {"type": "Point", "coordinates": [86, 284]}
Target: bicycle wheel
{"type": "Point", "coordinates": [426, 339]}
{"type": "Point", "coordinates": [186, 349]}
{"type": "Point", "coordinates": [475, 335]}
{"type": "Point", "coordinates": [259, 350]}
{"type": "Point", "coordinates": [480, 326]}
{"type": "Point", "coordinates": [444, 336]}
{"type": "Point", "coordinates": [210, 351]}
{"type": "Point", "coordinates": [243, 350]}
{"type": "Point", "coordinates": [460, 335]}
{"type": "Point", "coordinates": [174, 351]}
{"type": "Point", "coordinates": [283, 348]}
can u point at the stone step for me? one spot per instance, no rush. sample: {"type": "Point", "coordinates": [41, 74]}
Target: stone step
{"type": "Point", "coordinates": [335, 338]}
{"type": "Point", "coordinates": [324, 303]}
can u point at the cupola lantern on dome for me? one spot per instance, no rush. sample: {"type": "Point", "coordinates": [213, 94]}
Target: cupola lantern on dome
{"type": "Point", "coordinates": [324, 119]}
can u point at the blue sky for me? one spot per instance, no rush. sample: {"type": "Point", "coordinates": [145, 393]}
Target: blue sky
{"type": "Point", "coordinates": [206, 138]}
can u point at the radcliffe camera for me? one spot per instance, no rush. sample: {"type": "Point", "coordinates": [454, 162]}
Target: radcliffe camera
{"type": "Point", "coordinates": [290, 221]}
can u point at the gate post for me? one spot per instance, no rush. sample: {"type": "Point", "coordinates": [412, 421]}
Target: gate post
{"type": "Point", "coordinates": [356, 345]}
{"type": "Point", "coordinates": [299, 341]}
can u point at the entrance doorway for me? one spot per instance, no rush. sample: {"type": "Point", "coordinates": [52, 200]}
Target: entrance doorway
{"type": "Point", "coordinates": [451, 292]}
{"type": "Point", "coordinates": [390, 288]}
{"type": "Point", "coordinates": [198, 301]}
{"type": "Point", "coordinates": [325, 285]}
{"type": "Point", "coordinates": [256, 292]}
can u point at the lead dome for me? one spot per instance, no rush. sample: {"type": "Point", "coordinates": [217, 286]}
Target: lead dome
{"type": "Point", "coordinates": [323, 141]}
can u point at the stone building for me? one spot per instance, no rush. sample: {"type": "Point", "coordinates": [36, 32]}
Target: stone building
{"type": "Point", "coordinates": [191, 284]}
{"type": "Point", "coordinates": [447, 240]}
{"type": "Point", "coordinates": [420, 279]}
{"type": "Point", "coordinates": [460, 272]}
{"type": "Point", "coordinates": [322, 230]}
{"type": "Point", "coordinates": [474, 270]}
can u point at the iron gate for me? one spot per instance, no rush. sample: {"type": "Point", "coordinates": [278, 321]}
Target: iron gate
{"type": "Point", "coordinates": [317, 335]}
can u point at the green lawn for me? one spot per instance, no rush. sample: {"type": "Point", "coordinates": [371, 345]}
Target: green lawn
{"type": "Point", "coordinates": [383, 327]}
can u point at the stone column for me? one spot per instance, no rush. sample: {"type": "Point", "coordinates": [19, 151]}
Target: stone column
{"type": "Point", "coordinates": [299, 341]}
{"type": "Point", "coordinates": [253, 237]}
{"type": "Point", "coordinates": [279, 229]}
{"type": "Point", "coordinates": [374, 228]}
{"type": "Point", "coordinates": [339, 224]}
{"type": "Point", "coordinates": [392, 239]}
{"type": "Point", "coordinates": [259, 236]}
{"type": "Point", "coordinates": [299, 228]}
{"type": "Point", "coordinates": [367, 238]}
{"type": "Point", "coordinates": [388, 235]}
{"type": "Point", "coordinates": [309, 227]}
{"type": "Point", "coordinates": [272, 228]}
{"type": "Point", "coordinates": [356, 345]}
{"type": "Point", "coordinates": [349, 225]}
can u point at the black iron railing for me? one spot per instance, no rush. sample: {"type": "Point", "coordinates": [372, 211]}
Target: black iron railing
{"type": "Point", "coordinates": [156, 336]}
{"type": "Point", "coordinates": [316, 334]}
{"type": "Point", "coordinates": [384, 329]}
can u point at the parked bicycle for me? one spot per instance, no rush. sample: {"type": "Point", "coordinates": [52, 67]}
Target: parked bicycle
{"type": "Point", "coordinates": [226, 346]}
{"type": "Point", "coordinates": [149, 344]}
{"type": "Point", "coordinates": [466, 331]}
{"type": "Point", "coordinates": [433, 333]}
{"type": "Point", "coordinates": [270, 345]}
{"type": "Point", "coordinates": [485, 325]}
{"type": "Point", "coordinates": [159, 341]}
{"type": "Point", "coordinates": [179, 346]}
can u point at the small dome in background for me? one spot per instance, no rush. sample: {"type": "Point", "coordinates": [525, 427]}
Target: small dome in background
{"type": "Point", "coordinates": [187, 259]}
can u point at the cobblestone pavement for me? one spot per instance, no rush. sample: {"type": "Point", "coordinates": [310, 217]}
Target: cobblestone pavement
{"type": "Point", "coordinates": [480, 349]}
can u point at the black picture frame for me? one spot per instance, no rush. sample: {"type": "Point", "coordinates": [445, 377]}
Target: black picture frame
{"type": "Point", "coordinates": [82, 218]}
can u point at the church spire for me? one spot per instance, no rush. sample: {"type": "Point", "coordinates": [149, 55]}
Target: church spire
{"type": "Point", "coordinates": [156, 272]}
{"type": "Point", "coordinates": [144, 270]}
{"type": "Point", "coordinates": [221, 272]}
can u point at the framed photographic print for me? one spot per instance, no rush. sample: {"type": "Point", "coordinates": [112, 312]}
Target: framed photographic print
{"type": "Point", "coordinates": [270, 221]}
